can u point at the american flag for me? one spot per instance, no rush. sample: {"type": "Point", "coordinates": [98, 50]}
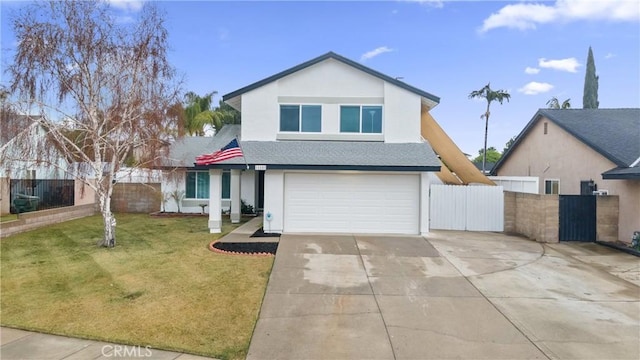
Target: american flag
{"type": "Point", "coordinates": [230, 151]}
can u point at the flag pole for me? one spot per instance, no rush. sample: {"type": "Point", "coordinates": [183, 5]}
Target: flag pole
{"type": "Point", "coordinates": [241, 149]}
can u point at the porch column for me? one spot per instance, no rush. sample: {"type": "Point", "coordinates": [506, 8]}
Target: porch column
{"type": "Point", "coordinates": [215, 201]}
{"type": "Point", "coordinates": [235, 196]}
{"type": "Point", "coordinates": [425, 202]}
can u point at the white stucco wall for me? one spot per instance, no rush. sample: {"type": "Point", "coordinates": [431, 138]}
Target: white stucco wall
{"type": "Point", "coordinates": [260, 113]}
{"type": "Point", "coordinates": [176, 180]}
{"type": "Point", "coordinates": [248, 186]}
{"type": "Point", "coordinates": [19, 159]}
{"type": "Point", "coordinates": [425, 183]}
{"type": "Point", "coordinates": [401, 115]}
{"type": "Point", "coordinates": [331, 84]}
{"type": "Point", "coordinates": [274, 201]}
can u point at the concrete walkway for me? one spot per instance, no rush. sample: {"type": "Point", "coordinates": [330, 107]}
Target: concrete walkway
{"type": "Point", "coordinates": [243, 233]}
{"type": "Point", "coordinates": [26, 345]}
{"type": "Point", "coordinates": [453, 295]}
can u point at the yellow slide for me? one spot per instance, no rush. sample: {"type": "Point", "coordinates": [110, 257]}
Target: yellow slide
{"type": "Point", "coordinates": [456, 168]}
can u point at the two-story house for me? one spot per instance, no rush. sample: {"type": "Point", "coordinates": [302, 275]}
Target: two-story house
{"type": "Point", "coordinates": [330, 146]}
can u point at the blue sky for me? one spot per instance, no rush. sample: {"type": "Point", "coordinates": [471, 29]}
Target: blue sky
{"type": "Point", "coordinates": [534, 50]}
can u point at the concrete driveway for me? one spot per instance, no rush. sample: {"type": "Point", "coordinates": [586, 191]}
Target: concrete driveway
{"type": "Point", "coordinates": [451, 295]}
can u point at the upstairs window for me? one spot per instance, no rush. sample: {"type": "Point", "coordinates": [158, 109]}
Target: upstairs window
{"type": "Point", "coordinates": [300, 118]}
{"type": "Point", "coordinates": [361, 119]}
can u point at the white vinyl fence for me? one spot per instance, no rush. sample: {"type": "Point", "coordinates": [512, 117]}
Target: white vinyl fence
{"type": "Point", "coordinates": [472, 208]}
{"type": "Point", "coordinates": [523, 184]}
{"type": "Point", "coordinates": [140, 176]}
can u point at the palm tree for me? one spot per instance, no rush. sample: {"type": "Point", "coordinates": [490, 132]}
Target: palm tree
{"type": "Point", "coordinates": [198, 112]}
{"type": "Point", "coordinates": [553, 103]}
{"type": "Point", "coordinates": [490, 95]}
{"type": "Point", "coordinates": [225, 114]}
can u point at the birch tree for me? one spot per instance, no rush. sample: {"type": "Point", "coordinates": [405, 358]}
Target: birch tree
{"type": "Point", "coordinates": [101, 89]}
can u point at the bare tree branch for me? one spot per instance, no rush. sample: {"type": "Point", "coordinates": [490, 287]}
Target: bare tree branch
{"type": "Point", "coordinates": [101, 89]}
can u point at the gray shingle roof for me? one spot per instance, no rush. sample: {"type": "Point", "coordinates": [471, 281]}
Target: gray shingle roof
{"type": "Point", "coordinates": [614, 133]}
{"type": "Point", "coordinates": [340, 153]}
{"type": "Point", "coordinates": [183, 152]}
{"type": "Point", "coordinates": [332, 55]}
{"type": "Point", "coordinates": [308, 154]}
{"type": "Point", "coordinates": [622, 173]}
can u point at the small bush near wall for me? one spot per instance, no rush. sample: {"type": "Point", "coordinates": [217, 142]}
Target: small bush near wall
{"type": "Point", "coordinates": [136, 198]}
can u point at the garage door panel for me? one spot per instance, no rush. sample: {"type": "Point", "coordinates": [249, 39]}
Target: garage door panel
{"type": "Point", "coordinates": [356, 203]}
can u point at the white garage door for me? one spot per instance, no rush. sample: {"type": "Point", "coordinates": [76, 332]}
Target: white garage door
{"type": "Point", "coordinates": [351, 203]}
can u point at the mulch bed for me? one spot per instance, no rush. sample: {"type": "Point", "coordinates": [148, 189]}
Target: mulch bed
{"type": "Point", "coordinates": [260, 233]}
{"type": "Point", "coordinates": [176, 214]}
{"type": "Point", "coordinates": [620, 246]}
{"type": "Point", "coordinates": [245, 248]}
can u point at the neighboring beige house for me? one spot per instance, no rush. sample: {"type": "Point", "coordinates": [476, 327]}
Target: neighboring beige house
{"type": "Point", "coordinates": [567, 149]}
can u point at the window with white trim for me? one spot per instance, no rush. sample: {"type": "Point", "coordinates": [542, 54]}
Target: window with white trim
{"type": "Point", "coordinates": [197, 185]}
{"type": "Point", "coordinates": [366, 119]}
{"type": "Point", "coordinates": [301, 118]}
{"type": "Point", "coordinates": [226, 184]}
{"type": "Point", "coordinates": [551, 186]}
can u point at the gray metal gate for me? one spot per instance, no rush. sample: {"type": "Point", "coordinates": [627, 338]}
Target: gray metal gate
{"type": "Point", "coordinates": [40, 194]}
{"type": "Point", "coordinates": [577, 218]}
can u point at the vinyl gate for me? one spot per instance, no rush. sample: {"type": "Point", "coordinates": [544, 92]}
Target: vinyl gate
{"type": "Point", "coordinates": [472, 208]}
{"type": "Point", "coordinates": [577, 218]}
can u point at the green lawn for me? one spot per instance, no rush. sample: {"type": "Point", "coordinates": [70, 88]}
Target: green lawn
{"type": "Point", "coordinates": [160, 286]}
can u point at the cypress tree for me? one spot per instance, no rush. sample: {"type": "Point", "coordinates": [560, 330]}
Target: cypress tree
{"type": "Point", "coordinates": [590, 95]}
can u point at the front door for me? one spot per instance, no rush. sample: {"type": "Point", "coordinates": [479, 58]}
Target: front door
{"type": "Point", "coordinates": [259, 190]}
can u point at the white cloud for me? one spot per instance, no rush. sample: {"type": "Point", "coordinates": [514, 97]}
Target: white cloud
{"type": "Point", "coordinates": [534, 88]}
{"type": "Point", "coordinates": [519, 16]}
{"type": "Point", "coordinates": [527, 16]}
{"type": "Point", "coordinates": [375, 52]}
{"type": "Point", "coordinates": [126, 5]}
{"type": "Point", "coordinates": [609, 56]}
{"type": "Point", "coordinates": [530, 70]}
{"type": "Point", "coordinates": [432, 3]}
{"type": "Point", "coordinates": [568, 64]}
